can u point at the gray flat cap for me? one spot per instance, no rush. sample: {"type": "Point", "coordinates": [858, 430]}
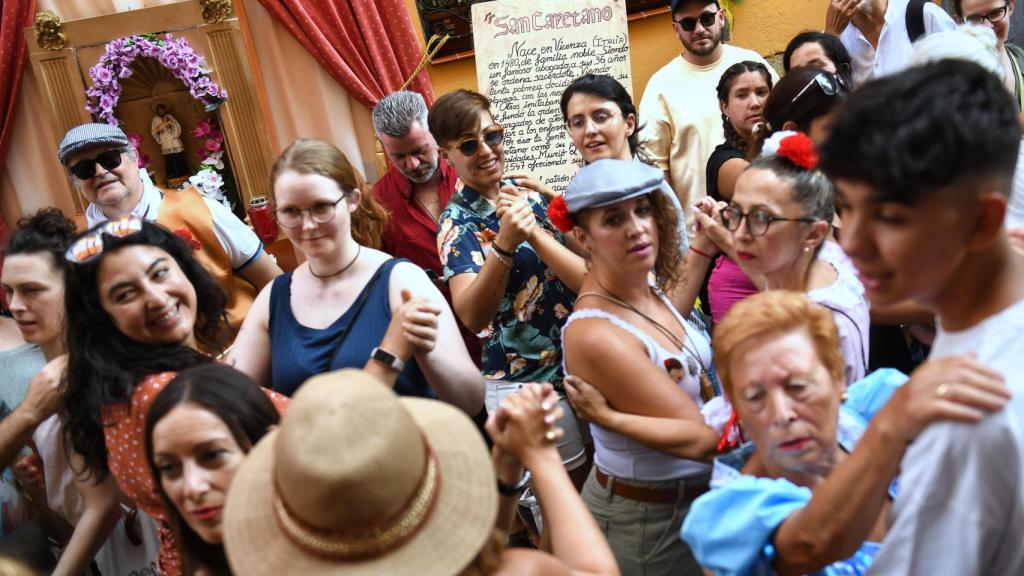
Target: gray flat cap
{"type": "Point", "coordinates": [609, 181]}
{"type": "Point", "coordinates": [88, 135]}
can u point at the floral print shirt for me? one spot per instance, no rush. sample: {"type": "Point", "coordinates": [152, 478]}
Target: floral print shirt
{"type": "Point", "coordinates": [523, 343]}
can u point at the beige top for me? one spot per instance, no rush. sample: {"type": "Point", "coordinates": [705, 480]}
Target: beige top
{"type": "Point", "coordinates": [683, 123]}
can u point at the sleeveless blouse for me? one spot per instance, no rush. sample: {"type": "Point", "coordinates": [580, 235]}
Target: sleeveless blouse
{"type": "Point", "coordinates": [298, 352]}
{"type": "Point", "coordinates": [622, 457]}
{"type": "Point", "coordinates": [850, 309]}
{"type": "Point", "coordinates": [123, 434]}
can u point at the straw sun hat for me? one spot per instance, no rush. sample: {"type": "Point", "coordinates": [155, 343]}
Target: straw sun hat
{"type": "Point", "coordinates": [359, 481]}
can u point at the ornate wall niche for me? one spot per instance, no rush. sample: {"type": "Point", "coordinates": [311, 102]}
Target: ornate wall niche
{"type": "Point", "coordinates": [64, 77]}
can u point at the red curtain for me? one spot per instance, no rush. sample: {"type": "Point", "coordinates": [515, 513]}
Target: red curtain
{"type": "Point", "coordinates": [14, 16]}
{"type": "Point", "coordinates": [368, 46]}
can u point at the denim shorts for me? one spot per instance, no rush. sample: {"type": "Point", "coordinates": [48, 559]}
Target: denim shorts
{"type": "Point", "coordinates": [576, 433]}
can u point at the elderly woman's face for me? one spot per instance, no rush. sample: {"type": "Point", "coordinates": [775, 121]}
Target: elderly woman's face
{"type": "Point", "coordinates": [787, 401]}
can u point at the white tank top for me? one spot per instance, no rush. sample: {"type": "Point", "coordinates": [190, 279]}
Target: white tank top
{"type": "Point", "coordinates": [622, 457]}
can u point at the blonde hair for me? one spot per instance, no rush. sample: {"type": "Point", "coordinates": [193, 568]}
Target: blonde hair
{"type": "Point", "coordinates": [309, 156]}
{"type": "Point", "coordinates": [776, 312]}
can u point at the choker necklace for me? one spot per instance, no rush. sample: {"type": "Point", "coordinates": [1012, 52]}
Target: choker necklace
{"type": "Point", "coordinates": [346, 267]}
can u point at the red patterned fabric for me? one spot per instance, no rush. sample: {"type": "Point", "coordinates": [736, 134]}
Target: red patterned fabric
{"type": "Point", "coordinates": [14, 16]}
{"type": "Point", "coordinates": [368, 46]}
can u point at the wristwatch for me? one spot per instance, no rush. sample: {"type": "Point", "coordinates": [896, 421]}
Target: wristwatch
{"type": "Point", "coordinates": [388, 359]}
{"type": "Point", "coordinates": [514, 489]}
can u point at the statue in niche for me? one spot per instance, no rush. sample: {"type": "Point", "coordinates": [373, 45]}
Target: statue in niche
{"type": "Point", "coordinates": [167, 131]}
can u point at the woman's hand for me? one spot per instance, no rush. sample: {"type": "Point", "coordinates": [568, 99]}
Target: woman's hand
{"type": "Point", "coordinates": [588, 401]}
{"type": "Point", "coordinates": [711, 235]}
{"type": "Point", "coordinates": [413, 328]}
{"type": "Point", "coordinates": [958, 388]}
{"type": "Point", "coordinates": [523, 426]}
{"type": "Point", "coordinates": [524, 181]}
{"type": "Point", "coordinates": [44, 395]}
{"type": "Point", "coordinates": [517, 219]}
{"type": "Point", "coordinates": [839, 14]}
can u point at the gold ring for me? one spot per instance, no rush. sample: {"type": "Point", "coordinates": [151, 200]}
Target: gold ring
{"type": "Point", "coordinates": [942, 390]}
{"type": "Point", "coordinates": [550, 436]}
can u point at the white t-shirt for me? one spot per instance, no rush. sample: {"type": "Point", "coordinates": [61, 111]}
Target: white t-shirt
{"type": "Point", "coordinates": [894, 52]}
{"type": "Point", "coordinates": [239, 241]}
{"type": "Point", "coordinates": [1015, 210]}
{"type": "Point", "coordinates": [683, 123]}
{"type": "Point", "coordinates": [960, 508]}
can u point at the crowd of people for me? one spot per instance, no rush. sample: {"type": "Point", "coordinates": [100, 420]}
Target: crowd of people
{"type": "Point", "coordinates": [770, 327]}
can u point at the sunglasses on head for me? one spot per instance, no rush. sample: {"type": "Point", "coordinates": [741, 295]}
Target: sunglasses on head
{"type": "Point", "coordinates": [493, 137]}
{"type": "Point", "coordinates": [830, 85]}
{"type": "Point", "coordinates": [90, 246]}
{"type": "Point", "coordinates": [689, 23]}
{"type": "Point", "coordinates": [86, 169]}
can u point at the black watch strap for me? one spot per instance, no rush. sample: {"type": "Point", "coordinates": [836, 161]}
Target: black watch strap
{"type": "Point", "coordinates": [514, 489]}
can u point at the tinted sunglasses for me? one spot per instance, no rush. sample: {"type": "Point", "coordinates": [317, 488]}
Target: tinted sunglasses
{"type": "Point", "coordinates": [493, 137]}
{"type": "Point", "coordinates": [689, 24]}
{"type": "Point", "coordinates": [830, 85]}
{"type": "Point", "coordinates": [86, 169]}
{"type": "Point", "coordinates": [90, 246]}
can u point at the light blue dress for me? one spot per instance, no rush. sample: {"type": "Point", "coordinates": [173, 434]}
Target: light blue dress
{"type": "Point", "coordinates": [730, 529]}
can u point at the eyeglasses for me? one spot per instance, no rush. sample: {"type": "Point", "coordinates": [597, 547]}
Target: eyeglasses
{"type": "Point", "coordinates": [90, 246]}
{"type": "Point", "coordinates": [493, 138]}
{"type": "Point", "coordinates": [758, 220]}
{"type": "Point", "coordinates": [689, 23]}
{"type": "Point", "coordinates": [578, 123]}
{"type": "Point", "coordinates": [86, 169]}
{"type": "Point", "coordinates": [320, 213]}
{"type": "Point", "coordinates": [830, 84]}
{"type": "Point", "coordinates": [993, 16]}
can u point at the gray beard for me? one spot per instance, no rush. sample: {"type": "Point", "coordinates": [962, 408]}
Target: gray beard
{"type": "Point", "coordinates": [422, 179]}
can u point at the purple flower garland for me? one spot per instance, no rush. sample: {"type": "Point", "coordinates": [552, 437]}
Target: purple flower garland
{"type": "Point", "coordinates": [175, 54]}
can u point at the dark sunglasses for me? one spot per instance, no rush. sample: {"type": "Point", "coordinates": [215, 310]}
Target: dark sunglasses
{"type": "Point", "coordinates": [470, 146]}
{"type": "Point", "coordinates": [689, 24]}
{"type": "Point", "coordinates": [90, 246]}
{"type": "Point", "coordinates": [830, 85]}
{"type": "Point", "coordinates": [86, 169]}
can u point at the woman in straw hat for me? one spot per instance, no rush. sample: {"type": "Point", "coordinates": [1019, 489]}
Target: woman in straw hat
{"type": "Point", "coordinates": [198, 431]}
{"type": "Point", "coordinates": [408, 489]}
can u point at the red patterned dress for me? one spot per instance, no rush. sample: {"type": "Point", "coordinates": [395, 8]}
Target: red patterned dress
{"type": "Point", "coordinates": [125, 425]}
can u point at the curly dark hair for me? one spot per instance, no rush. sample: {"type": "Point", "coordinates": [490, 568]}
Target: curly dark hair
{"type": "Point", "coordinates": [732, 137]}
{"type": "Point", "coordinates": [48, 230]}
{"type": "Point", "coordinates": [934, 126]}
{"type": "Point", "coordinates": [104, 365]}
{"type": "Point", "coordinates": [246, 411]}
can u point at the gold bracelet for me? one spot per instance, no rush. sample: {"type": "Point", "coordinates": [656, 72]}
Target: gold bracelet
{"type": "Point", "coordinates": [507, 262]}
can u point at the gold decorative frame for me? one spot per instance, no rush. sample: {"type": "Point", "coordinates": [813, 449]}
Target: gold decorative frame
{"type": "Point", "coordinates": [62, 77]}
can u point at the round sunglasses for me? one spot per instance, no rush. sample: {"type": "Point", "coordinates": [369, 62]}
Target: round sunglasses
{"type": "Point", "coordinates": [89, 246]}
{"type": "Point", "coordinates": [689, 24]}
{"type": "Point", "coordinates": [86, 169]}
{"type": "Point", "coordinates": [493, 137]}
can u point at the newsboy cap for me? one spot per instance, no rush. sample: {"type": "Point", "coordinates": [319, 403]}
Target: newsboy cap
{"type": "Point", "coordinates": [609, 181]}
{"type": "Point", "coordinates": [88, 135]}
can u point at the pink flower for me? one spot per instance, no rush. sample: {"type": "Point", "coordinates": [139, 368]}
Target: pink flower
{"type": "Point", "coordinates": [212, 145]}
{"type": "Point", "coordinates": [134, 139]}
{"type": "Point", "coordinates": [144, 160]}
{"type": "Point", "coordinates": [202, 129]}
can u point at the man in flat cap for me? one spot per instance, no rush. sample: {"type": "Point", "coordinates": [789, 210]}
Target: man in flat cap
{"type": "Point", "coordinates": [102, 165]}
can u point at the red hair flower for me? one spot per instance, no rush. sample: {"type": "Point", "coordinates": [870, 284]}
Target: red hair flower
{"type": "Point", "coordinates": [186, 235]}
{"type": "Point", "coordinates": [799, 150]}
{"type": "Point", "coordinates": [558, 213]}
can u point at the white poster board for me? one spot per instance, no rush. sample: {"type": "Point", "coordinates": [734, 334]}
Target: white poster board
{"type": "Point", "coordinates": [527, 53]}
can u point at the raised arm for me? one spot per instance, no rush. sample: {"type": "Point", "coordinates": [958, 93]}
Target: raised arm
{"type": "Point", "coordinates": [251, 351]}
{"type": "Point", "coordinates": [478, 281]}
{"type": "Point", "coordinates": [447, 366]}
{"type": "Point", "coordinates": [42, 400]}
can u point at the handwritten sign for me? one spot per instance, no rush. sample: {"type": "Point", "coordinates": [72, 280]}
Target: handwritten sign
{"type": "Point", "coordinates": [527, 53]}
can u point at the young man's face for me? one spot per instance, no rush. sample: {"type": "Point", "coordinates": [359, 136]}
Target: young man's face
{"type": "Point", "coordinates": [904, 251]}
{"type": "Point", "coordinates": [992, 13]}
{"type": "Point", "coordinates": [699, 40]}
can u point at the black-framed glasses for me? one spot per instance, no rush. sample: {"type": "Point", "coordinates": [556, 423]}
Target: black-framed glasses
{"type": "Point", "coordinates": [86, 169]}
{"type": "Point", "coordinates": [599, 117]}
{"type": "Point", "coordinates": [90, 246]}
{"type": "Point", "coordinates": [492, 137]}
{"type": "Point", "coordinates": [830, 84]}
{"type": "Point", "coordinates": [320, 213]}
{"type": "Point", "coordinates": [689, 23]}
{"type": "Point", "coordinates": [758, 220]}
{"type": "Point", "coordinates": [992, 16]}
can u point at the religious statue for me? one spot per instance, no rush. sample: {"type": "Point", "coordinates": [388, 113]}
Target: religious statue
{"type": "Point", "coordinates": [167, 132]}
